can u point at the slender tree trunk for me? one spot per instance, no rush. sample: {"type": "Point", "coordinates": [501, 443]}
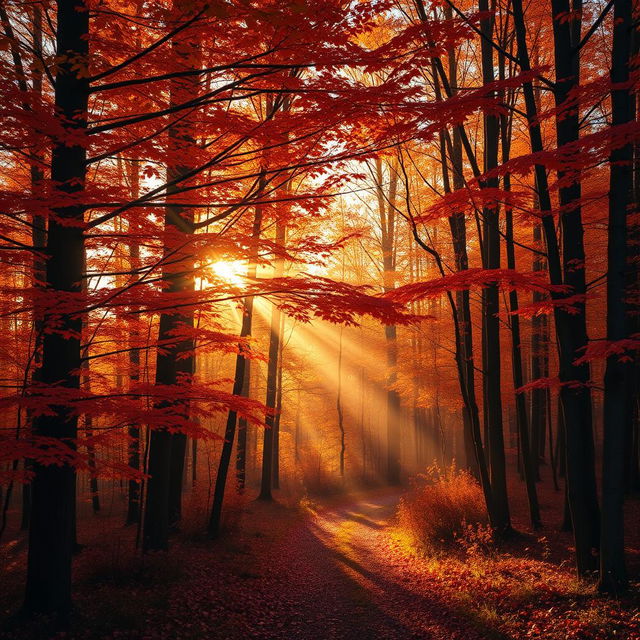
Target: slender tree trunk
{"type": "Point", "coordinates": [458, 227]}
{"type": "Point", "coordinates": [386, 204]}
{"type": "Point", "coordinates": [134, 489]}
{"type": "Point", "coordinates": [194, 462]}
{"type": "Point", "coordinates": [39, 241]}
{"type": "Point", "coordinates": [94, 488]}
{"type": "Point", "coordinates": [88, 419]}
{"type": "Point", "coordinates": [516, 367]}
{"type": "Point", "coordinates": [241, 450]}
{"type": "Point", "coordinates": [539, 358]}
{"type": "Point", "coordinates": [241, 447]}
{"type": "Point", "coordinates": [613, 575]}
{"type": "Point", "coordinates": [51, 535]}
{"type": "Point", "coordinates": [552, 454]}
{"type": "Point", "coordinates": [339, 407]}
{"type": "Point", "coordinates": [175, 363]}
{"type": "Point", "coordinates": [133, 493]}
{"type": "Point", "coordinates": [278, 410]}
{"type": "Point", "coordinates": [491, 300]}
{"type": "Point", "coordinates": [239, 382]}
{"type": "Point", "coordinates": [133, 431]}
{"type": "Point", "coordinates": [272, 380]}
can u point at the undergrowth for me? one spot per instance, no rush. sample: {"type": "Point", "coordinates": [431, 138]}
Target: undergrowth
{"type": "Point", "coordinates": [511, 591]}
{"type": "Point", "coordinates": [443, 506]}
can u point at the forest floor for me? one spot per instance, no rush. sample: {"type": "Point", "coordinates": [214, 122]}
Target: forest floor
{"type": "Point", "coordinates": [336, 569]}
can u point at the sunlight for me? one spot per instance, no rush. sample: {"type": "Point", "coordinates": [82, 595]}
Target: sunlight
{"type": "Point", "coordinates": [232, 271]}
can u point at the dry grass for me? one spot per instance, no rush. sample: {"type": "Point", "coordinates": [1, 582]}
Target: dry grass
{"type": "Point", "coordinates": [523, 587]}
{"type": "Point", "coordinates": [442, 506]}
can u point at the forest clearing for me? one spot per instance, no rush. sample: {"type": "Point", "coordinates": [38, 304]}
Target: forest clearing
{"type": "Point", "coordinates": [319, 319]}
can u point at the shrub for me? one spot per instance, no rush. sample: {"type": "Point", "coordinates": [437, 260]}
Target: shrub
{"type": "Point", "coordinates": [441, 506]}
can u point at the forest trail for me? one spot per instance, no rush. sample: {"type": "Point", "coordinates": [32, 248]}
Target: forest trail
{"type": "Point", "coordinates": [350, 584]}
{"type": "Point", "coordinates": [333, 575]}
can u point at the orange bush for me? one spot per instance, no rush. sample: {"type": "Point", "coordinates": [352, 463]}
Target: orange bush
{"type": "Point", "coordinates": [441, 506]}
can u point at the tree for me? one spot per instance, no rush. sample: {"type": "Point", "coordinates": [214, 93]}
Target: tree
{"type": "Point", "coordinates": [176, 361]}
{"type": "Point", "coordinates": [613, 576]}
{"type": "Point", "coordinates": [48, 588]}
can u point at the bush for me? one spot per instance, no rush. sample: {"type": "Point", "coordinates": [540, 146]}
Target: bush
{"type": "Point", "coordinates": [442, 505]}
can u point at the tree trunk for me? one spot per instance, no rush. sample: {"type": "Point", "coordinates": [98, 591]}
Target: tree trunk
{"type": "Point", "coordinates": [278, 410]}
{"type": "Point", "coordinates": [386, 210]}
{"type": "Point", "coordinates": [339, 407]}
{"type": "Point", "coordinates": [230, 429]}
{"type": "Point", "coordinates": [51, 535]}
{"type": "Point", "coordinates": [133, 431]}
{"type": "Point", "coordinates": [458, 227]}
{"type": "Point", "coordinates": [632, 466]}
{"type": "Point", "coordinates": [39, 241]}
{"type": "Point", "coordinates": [539, 358]}
{"type": "Point", "coordinates": [241, 450]}
{"type": "Point", "coordinates": [491, 300]}
{"type": "Point", "coordinates": [613, 575]}
{"type": "Point", "coordinates": [175, 363]}
{"type": "Point", "coordinates": [516, 367]}
{"type": "Point", "coordinates": [272, 380]}
{"type": "Point", "coordinates": [576, 403]}
{"type": "Point", "coordinates": [572, 327]}
{"type": "Point", "coordinates": [241, 388]}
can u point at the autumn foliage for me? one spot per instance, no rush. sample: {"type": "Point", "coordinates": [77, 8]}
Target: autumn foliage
{"type": "Point", "coordinates": [443, 505]}
{"type": "Point", "coordinates": [312, 247]}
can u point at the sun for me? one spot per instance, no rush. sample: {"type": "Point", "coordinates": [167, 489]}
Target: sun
{"type": "Point", "coordinates": [232, 271]}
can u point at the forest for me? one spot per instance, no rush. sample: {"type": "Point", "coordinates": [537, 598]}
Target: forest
{"type": "Point", "coordinates": [319, 320]}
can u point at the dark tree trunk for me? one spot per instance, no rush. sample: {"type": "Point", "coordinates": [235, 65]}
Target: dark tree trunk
{"type": "Point", "coordinates": [552, 454]}
{"type": "Point", "coordinates": [268, 449]}
{"type": "Point", "coordinates": [240, 387]}
{"type": "Point", "coordinates": [175, 363]}
{"type": "Point", "coordinates": [51, 534]}
{"type": "Point", "coordinates": [88, 419]}
{"type": "Point", "coordinates": [230, 429]}
{"type": "Point", "coordinates": [39, 240]}
{"type": "Point", "coordinates": [516, 367]}
{"type": "Point", "coordinates": [94, 488]}
{"type": "Point", "coordinates": [632, 467]}
{"type": "Point", "coordinates": [339, 408]}
{"type": "Point", "coordinates": [576, 403]}
{"type": "Point", "coordinates": [539, 358]}
{"type": "Point", "coordinates": [458, 227]}
{"type": "Point", "coordinates": [572, 327]}
{"type": "Point", "coordinates": [278, 410]}
{"type": "Point", "coordinates": [561, 443]}
{"type": "Point", "coordinates": [241, 450]}
{"type": "Point", "coordinates": [272, 375]}
{"type": "Point", "coordinates": [176, 476]}
{"type": "Point", "coordinates": [491, 298]}
{"type": "Point", "coordinates": [528, 468]}
{"type": "Point", "coordinates": [133, 454]}
{"type": "Point", "coordinates": [462, 323]}
{"type": "Point", "coordinates": [613, 575]}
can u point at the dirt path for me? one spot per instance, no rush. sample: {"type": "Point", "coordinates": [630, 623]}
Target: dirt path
{"type": "Point", "coordinates": [346, 583]}
{"type": "Point", "coordinates": [333, 575]}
